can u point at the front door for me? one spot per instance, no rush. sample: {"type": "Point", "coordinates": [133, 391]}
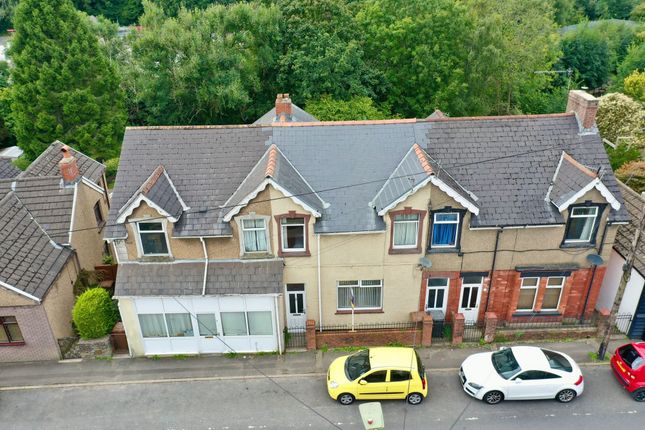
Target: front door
{"type": "Point", "coordinates": [471, 289]}
{"type": "Point", "coordinates": [296, 312]}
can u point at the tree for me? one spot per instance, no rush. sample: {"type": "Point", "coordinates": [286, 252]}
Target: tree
{"type": "Point", "coordinates": [171, 7]}
{"type": "Point", "coordinates": [63, 86]}
{"type": "Point", "coordinates": [7, 8]}
{"type": "Point", "coordinates": [7, 137]}
{"type": "Point", "coordinates": [635, 85]}
{"type": "Point", "coordinates": [322, 53]}
{"type": "Point", "coordinates": [565, 12]}
{"type": "Point", "coordinates": [513, 46]}
{"type": "Point", "coordinates": [619, 9]}
{"type": "Point", "coordinates": [633, 174]}
{"type": "Point", "coordinates": [420, 47]}
{"type": "Point", "coordinates": [357, 108]}
{"type": "Point", "coordinates": [620, 120]}
{"type": "Point", "coordinates": [634, 60]}
{"type": "Point", "coordinates": [587, 52]}
{"type": "Point", "coordinates": [125, 12]}
{"type": "Point", "coordinates": [204, 66]}
{"type": "Point", "coordinates": [638, 13]}
{"type": "Point", "coordinates": [94, 314]}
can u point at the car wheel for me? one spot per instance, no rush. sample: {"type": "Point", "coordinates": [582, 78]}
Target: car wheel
{"type": "Point", "coordinates": [565, 396]}
{"type": "Point", "coordinates": [493, 397]}
{"type": "Point", "coordinates": [639, 395]}
{"type": "Point", "coordinates": [415, 398]}
{"type": "Point", "coordinates": [345, 399]}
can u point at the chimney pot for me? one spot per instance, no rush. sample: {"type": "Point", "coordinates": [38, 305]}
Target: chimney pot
{"type": "Point", "coordinates": [283, 107]}
{"type": "Point", "coordinates": [584, 105]}
{"type": "Point", "coordinates": [68, 167]}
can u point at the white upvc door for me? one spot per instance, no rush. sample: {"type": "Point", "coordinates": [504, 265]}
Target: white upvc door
{"type": "Point", "coordinates": [471, 290]}
{"type": "Point", "coordinates": [296, 306]}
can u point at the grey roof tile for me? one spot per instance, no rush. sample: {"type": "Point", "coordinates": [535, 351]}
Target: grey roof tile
{"type": "Point", "coordinates": [634, 205]}
{"type": "Point", "coordinates": [186, 278]}
{"type": "Point", "coordinates": [569, 179]}
{"type": "Point", "coordinates": [297, 115]}
{"type": "Point", "coordinates": [7, 169]}
{"type": "Point", "coordinates": [47, 164]}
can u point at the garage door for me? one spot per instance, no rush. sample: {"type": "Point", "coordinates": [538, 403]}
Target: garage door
{"type": "Point", "coordinates": [198, 325]}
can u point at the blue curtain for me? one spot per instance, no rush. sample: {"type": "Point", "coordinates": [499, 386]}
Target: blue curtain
{"type": "Point", "coordinates": [444, 234]}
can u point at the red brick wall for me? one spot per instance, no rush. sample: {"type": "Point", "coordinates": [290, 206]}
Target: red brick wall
{"type": "Point", "coordinates": [335, 339]}
{"type": "Point", "coordinates": [39, 340]}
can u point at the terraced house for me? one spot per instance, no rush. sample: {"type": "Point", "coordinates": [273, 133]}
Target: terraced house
{"type": "Point", "coordinates": [226, 235]}
{"type": "Point", "coordinates": [51, 217]}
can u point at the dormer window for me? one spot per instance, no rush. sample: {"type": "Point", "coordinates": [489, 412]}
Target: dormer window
{"type": "Point", "coordinates": [582, 225]}
{"type": "Point", "coordinates": [255, 235]}
{"type": "Point", "coordinates": [406, 231]}
{"type": "Point", "coordinates": [293, 234]}
{"type": "Point", "coordinates": [445, 229]}
{"type": "Point", "coordinates": [152, 238]}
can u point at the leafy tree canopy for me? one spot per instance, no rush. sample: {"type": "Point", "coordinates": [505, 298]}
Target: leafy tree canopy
{"type": "Point", "coordinates": [633, 174]}
{"type": "Point", "coordinates": [63, 86]}
{"type": "Point", "coordinates": [587, 52]}
{"type": "Point", "coordinates": [634, 60]}
{"type": "Point", "coordinates": [204, 66]}
{"type": "Point", "coordinates": [620, 118]}
{"type": "Point", "coordinates": [635, 85]}
{"type": "Point", "coordinates": [125, 12]}
{"type": "Point", "coordinates": [357, 108]}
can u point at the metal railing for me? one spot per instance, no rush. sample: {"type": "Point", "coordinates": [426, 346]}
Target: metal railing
{"type": "Point", "coordinates": [295, 337]}
{"type": "Point", "coordinates": [473, 331]}
{"type": "Point", "coordinates": [623, 321]}
{"type": "Point", "coordinates": [408, 325]}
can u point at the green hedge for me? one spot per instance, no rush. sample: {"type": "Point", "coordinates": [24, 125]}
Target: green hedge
{"type": "Point", "coordinates": [94, 314]}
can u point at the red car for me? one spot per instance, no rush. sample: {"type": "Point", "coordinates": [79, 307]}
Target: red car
{"type": "Point", "coordinates": [629, 366]}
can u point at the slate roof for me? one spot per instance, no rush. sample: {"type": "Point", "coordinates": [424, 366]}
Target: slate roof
{"type": "Point", "coordinates": [297, 115]}
{"type": "Point", "coordinates": [47, 164]}
{"type": "Point", "coordinates": [29, 260]}
{"type": "Point", "coordinates": [186, 278]}
{"type": "Point", "coordinates": [275, 166]}
{"type": "Point", "coordinates": [634, 205]}
{"type": "Point", "coordinates": [48, 202]}
{"type": "Point", "coordinates": [570, 177]}
{"type": "Point", "coordinates": [503, 165]}
{"type": "Point", "coordinates": [160, 190]}
{"type": "Point", "coordinates": [206, 165]}
{"type": "Point", "coordinates": [7, 169]}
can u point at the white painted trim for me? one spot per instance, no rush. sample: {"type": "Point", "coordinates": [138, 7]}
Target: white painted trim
{"type": "Point", "coordinates": [320, 318]}
{"type": "Point", "coordinates": [127, 211]}
{"type": "Point", "coordinates": [19, 291]}
{"type": "Point", "coordinates": [597, 184]}
{"type": "Point", "coordinates": [442, 186]}
{"type": "Point", "coordinates": [202, 237]}
{"type": "Point", "coordinates": [324, 203]}
{"type": "Point", "coordinates": [372, 202]}
{"type": "Point", "coordinates": [201, 260]}
{"type": "Point", "coordinates": [485, 228]}
{"type": "Point", "coordinates": [228, 201]}
{"type": "Point", "coordinates": [92, 185]}
{"type": "Point", "coordinates": [205, 266]}
{"type": "Point", "coordinates": [172, 185]}
{"type": "Point", "coordinates": [618, 222]}
{"type": "Point", "coordinates": [277, 324]}
{"type": "Point", "coordinates": [253, 194]}
{"type": "Point", "coordinates": [517, 227]}
{"type": "Point", "coordinates": [547, 198]}
{"type": "Point", "coordinates": [71, 222]}
{"type": "Point", "coordinates": [445, 289]}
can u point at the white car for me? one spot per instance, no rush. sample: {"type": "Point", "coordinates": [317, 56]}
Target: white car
{"type": "Point", "coordinates": [521, 373]}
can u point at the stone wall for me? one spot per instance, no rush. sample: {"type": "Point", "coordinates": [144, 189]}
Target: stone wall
{"type": "Point", "coordinates": [93, 348]}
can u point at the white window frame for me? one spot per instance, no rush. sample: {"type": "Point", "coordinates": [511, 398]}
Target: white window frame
{"type": "Point", "coordinates": [593, 225]}
{"type": "Point", "coordinates": [283, 228]}
{"type": "Point", "coordinates": [434, 222]}
{"type": "Point", "coordinates": [140, 243]}
{"type": "Point", "coordinates": [446, 288]}
{"type": "Point", "coordinates": [359, 284]}
{"type": "Point", "coordinates": [536, 288]}
{"type": "Point", "coordinates": [240, 225]}
{"type": "Point", "coordinates": [561, 287]}
{"type": "Point", "coordinates": [416, 233]}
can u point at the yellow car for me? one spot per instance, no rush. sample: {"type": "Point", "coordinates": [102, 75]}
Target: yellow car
{"type": "Point", "coordinates": [378, 373]}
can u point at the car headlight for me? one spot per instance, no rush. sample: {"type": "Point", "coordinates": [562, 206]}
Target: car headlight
{"type": "Point", "coordinates": [475, 386]}
{"type": "Point", "coordinates": [333, 384]}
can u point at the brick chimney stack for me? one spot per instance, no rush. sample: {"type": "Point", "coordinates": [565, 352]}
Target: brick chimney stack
{"type": "Point", "coordinates": [584, 105]}
{"type": "Point", "coordinates": [283, 107]}
{"type": "Point", "coordinates": [68, 167]}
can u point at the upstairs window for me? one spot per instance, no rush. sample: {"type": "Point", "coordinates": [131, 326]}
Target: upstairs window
{"type": "Point", "coordinates": [100, 222]}
{"type": "Point", "coordinates": [445, 228]}
{"type": "Point", "coordinates": [293, 234]}
{"type": "Point", "coordinates": [10, 332]}
{"type": "Point", "coordinates": [582, 224]}
{"type": "Point", "coordinates": [406, 231]}
{"type": "Point", "coordinates": [254, 232]}
{"type": "Point", "coordinates": [152, 238]}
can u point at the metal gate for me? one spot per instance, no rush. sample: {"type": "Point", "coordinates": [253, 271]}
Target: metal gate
{"type": "Point", "coordinates": [473, 331]}
{"type": "Point", "coordinates": [295, 337]}
{"type": "Point", "coordinates": [637, 329]}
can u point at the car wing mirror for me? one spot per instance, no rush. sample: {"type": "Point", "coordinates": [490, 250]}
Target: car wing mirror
{"type": "Point", "coordinates": [518, 380]}
{"type": "Point", "coordinates": [362, 382]}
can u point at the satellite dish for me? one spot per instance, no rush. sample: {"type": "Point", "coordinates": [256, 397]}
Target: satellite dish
{"type": "Point", "coordinates": [595, 259]}
{"type": "Point", "coordinates": [425, 262]}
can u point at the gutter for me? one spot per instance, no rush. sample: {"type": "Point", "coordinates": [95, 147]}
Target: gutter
{"type": "Point", "coordinates": [205, 265]}
{"type": "Point", "coordinates": [320, 319]}
{"type": "Point", "coordinates": [492, 268]}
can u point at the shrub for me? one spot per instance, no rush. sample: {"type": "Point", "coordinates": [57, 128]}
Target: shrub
{"type": "Point", "coordinates": [633, 174]}
{"type": "Point", "coordinates": [94, 314]}
{"type": "Point", "coordinates": [111, 167]}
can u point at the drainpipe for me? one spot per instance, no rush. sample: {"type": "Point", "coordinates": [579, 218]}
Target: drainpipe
{"type": "Point", "coordinates": [320, 318]}
{"type": "Point", "coordinates": [277, 324]}
{"type": "Point", "coordinates": [593, 273]}
{"type": "Point", "coordinates": [205, 265]}
{"type": "Point", "coordinates": [492, 268]}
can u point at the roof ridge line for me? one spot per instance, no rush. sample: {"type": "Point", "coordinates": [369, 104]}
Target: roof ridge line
{"type": "Point", "coordinates": [272, 161]}
{"type": "Point", "coordinates": [421, 155]}
{"type": "Point", "coordinates": [500, 117]}
{"type": "Point", "coordinates": [584, 169]}
{"type": "Point", "coordinates": [152, 179]}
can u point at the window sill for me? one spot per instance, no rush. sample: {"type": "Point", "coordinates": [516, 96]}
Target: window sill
{"type": "Point", "coordinates": [578, 245]}
{"type": "Point", "coordinates": [359, 311]}
{"type": "Point", "coordinates": [156, 258]}
{"type": "Point", "coordinates": [256, 255]}
{"type": "Point", "coordinates": [294, 254]}
{"type": "Point", "coordinates": [531, 314]}
{"type": "Point", "coordinates": [12, 344]}
{"type": "Point", "coordinates": [405, 250]}
{"type": "Point", "coordinates": [443, 251]}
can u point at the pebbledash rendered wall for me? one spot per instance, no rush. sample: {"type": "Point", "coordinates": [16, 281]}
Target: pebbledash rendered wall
{"type": "Point", "coordinates": [39, 341]}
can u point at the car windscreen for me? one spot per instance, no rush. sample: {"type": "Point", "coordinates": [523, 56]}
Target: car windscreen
{"type": "Point", "coordinates": [357, 364]}
{"type": "Point", "coordinates": [630, 356]}
{"type": "Point", "coordinates": [557, 361]}
{"type": "Point", "coordinates": [505, 363]}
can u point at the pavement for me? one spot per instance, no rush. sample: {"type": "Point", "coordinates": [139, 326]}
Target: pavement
{"type": "Point", "coordinates": [126, 371]}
